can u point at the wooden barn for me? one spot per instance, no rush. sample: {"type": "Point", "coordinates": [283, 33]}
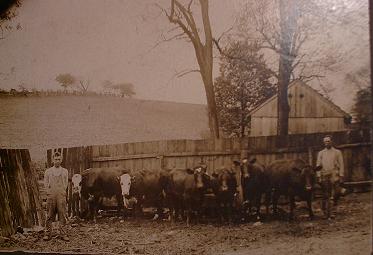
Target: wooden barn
{"type": "Point", "coordinates": [310, 112]}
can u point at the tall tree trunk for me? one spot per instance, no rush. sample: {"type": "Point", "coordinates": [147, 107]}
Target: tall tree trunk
{"type": "Point", "coordinates": [288, 25]}
{"type": "Point", "coordinates": [185, 20]}
{"type": "Point", "coordinates": [211, 103]}
{"type": "Point", "coordinates": [206, 66]}
{"type": "Point", "coordinates": [371, 87]}
{"type": "Point", "coordinates": [243, 105]}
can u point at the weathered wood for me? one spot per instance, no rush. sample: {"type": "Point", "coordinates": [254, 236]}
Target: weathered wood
{"type": "Point", "coordinates": [219, 153]}
{"type": "Point", "coordinates": [357, 183]}
{"type": "Point", "coordinates": [19, 194]}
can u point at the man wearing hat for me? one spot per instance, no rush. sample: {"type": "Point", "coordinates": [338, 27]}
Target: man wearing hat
{"type": "Point", "coordinates": [331, 174]}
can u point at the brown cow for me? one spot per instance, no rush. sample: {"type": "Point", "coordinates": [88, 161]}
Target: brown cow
{"type": "Point", "coordinates": [185, 191]}
{"type": "Point", "coordinates": [224, 185]}
{"type": "Point", "coordinates": [292, 178]}
{"type": "Point", "coordinates": [147, 187]}
{"type": "Point", "coordinates": [255, 183]}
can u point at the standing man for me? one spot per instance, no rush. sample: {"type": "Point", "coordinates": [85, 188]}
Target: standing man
{"type": "Point", "coordinates": [330, 160]}
{"type": "Point", "coordinates": [55, 182]}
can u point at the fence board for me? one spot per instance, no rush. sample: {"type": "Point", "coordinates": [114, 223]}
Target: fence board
{"type": "Point", "coordinates": [221, 153]}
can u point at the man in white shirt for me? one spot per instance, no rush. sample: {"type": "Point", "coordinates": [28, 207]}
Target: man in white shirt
{"type": "Point", "coordinates": [331, 175]}
{"type": "Point", "coordinates": [55, 183]}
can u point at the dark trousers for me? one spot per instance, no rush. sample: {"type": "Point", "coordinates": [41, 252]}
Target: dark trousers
{"type": "Point", "coordinates": [331, 190]}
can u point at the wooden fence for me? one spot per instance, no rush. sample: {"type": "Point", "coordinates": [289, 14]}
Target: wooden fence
{"type": "Point", "coordinates": [19, 195]}
{"type": "Point", "coordinates": [219, 153]}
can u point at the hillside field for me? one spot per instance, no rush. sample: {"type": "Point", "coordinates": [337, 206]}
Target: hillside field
{"type": "Point", "coordinates": [40, 123]}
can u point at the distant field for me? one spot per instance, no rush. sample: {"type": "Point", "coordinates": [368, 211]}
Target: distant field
{"type": "Point", "coordinates": [65, 121]}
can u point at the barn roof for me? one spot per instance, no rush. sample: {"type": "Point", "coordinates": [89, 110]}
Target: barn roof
{"type": "Point", "coordinates": [313, 91]}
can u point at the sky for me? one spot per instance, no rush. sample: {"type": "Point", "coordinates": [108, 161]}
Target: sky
{"type": "Point", "coordinates": [115, 40]}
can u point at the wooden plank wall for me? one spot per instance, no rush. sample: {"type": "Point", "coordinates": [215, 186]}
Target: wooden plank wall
{"type": "Point", "coordinates": [214, 153]}
{"type": "Point", "coordinates": [169, 154]}
{"type": "Point", "coordinates": [219, 153]}
{"type": "Point", "coordinates": [19, 193]}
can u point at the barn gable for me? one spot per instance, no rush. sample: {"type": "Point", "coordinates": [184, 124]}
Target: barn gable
{"type": "Point", "coordinates": [304, 102]}
{"type": "Point", "coordinates": [310, 112]}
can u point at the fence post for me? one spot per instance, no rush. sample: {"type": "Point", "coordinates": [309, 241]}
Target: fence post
{"type": "Point", "coordinates": [310, 156]}
{"type": "Point", "coordinates": [161, 161]}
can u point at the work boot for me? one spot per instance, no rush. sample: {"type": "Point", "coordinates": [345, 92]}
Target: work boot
{"type": "Point", "coordinates": [47, 237]}
{"type": "Point", "coordinates": [65, 238]}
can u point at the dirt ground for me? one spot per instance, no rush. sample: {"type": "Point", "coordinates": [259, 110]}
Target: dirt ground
{"type": "Point", "coordinates": [348, 233]}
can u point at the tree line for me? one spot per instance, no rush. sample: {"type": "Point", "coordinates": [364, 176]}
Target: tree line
{"type": "Point", "coordinates": [272, 43]}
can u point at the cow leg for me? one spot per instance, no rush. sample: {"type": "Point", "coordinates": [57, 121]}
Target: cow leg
{"type": "Point", "coordinates": [120, 208]}
{"type": "Point", "coordinates": [309, 204]}
{"type": "Point", "coordinates": [267, 202]}
{"type": "Point", "coordinates": [258, 198]}
{"type": "Point", "coordinates": [274, 202]}
{"type": "Point", "coordinates": [292, 205]}
{"type": "Point", "coordinates": [230, 213]}
{"type": "Point", "coordinates": [159, 205]}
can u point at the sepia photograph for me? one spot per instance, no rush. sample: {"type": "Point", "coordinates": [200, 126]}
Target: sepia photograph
{"type": "Point", "coordinates": [164, 127]}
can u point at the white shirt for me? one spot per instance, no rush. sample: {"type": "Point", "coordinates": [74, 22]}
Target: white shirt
{"type": "Point", "coordinates": [56, 180]}
{"type": "Point", "coordinates": [331, 161]}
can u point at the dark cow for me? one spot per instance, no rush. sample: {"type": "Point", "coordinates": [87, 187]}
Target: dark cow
{"type": "Point", "coordinates": [185, 190]}
{"type": "Point", "coordinates": [147, 187]}
{"type": "Point", "coordinates": [254, 183]}
{"type": "Point", "coordinates": [100, 183]}
{"type": "Point", "coordinates": [292, 178]}
{"type": "Point", "coordinates": [224, 185]}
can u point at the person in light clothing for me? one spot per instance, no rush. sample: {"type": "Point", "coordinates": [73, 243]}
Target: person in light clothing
{"type": "Point", "coordinates": [330, 161]}
{"type": "Point", "coordinates": [55, 182]}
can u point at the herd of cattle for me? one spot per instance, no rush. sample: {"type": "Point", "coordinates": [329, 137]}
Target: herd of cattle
{"type": "Point", "coordinates": [193, 193]}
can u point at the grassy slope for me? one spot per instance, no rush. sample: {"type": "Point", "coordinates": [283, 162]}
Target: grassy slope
{"type": "Point", "coordinates": [47, 122]}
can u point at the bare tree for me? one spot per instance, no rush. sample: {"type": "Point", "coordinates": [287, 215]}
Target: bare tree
{"type": "Point", "coordinates": [294, 30]}
{"type": "Point", "coordinates": [181, 15]}
{"type": "Point", "coordinates": [83, 85]}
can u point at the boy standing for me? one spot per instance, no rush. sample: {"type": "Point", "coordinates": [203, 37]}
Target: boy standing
{"type": "Point", "coordinates": [55, 182]}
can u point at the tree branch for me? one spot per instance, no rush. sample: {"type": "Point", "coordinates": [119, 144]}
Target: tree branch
{"type": "Point", "coordinates": [185, 72]}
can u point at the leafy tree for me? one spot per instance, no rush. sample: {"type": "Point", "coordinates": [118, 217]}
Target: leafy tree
{"type": "Point", "coordinates": [244, 83]}
{"type": "Point", "coordinates": [363, 106]}
{"type": "Point", "coordinates": [66, 80]}
{"type": "Point", "coordinates": [125, 89]}
{"type": "Point", "coordinates": [7, 12]}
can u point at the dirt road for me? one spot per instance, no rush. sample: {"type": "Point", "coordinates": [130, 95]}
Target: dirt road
{"type": "Point", "coordinates": [348, 233]}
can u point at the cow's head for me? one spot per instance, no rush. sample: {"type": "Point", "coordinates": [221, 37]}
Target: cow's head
{"type": "Point", "coordinates": [125, 186]}
{"type": "Point", "coordinates": [200, 177]}
{"type": "Point", "coordinates": [226, 180]}
{"type": "Point", "coordinates": [307, 177]}
{"type": "Point", "coordinates": [247, 167]}
{"type": "Point", "coordinates": [76, 184]}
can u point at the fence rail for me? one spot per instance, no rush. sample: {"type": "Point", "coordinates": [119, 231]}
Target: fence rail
{"type": "Point", "coordinates": [220, 153]}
